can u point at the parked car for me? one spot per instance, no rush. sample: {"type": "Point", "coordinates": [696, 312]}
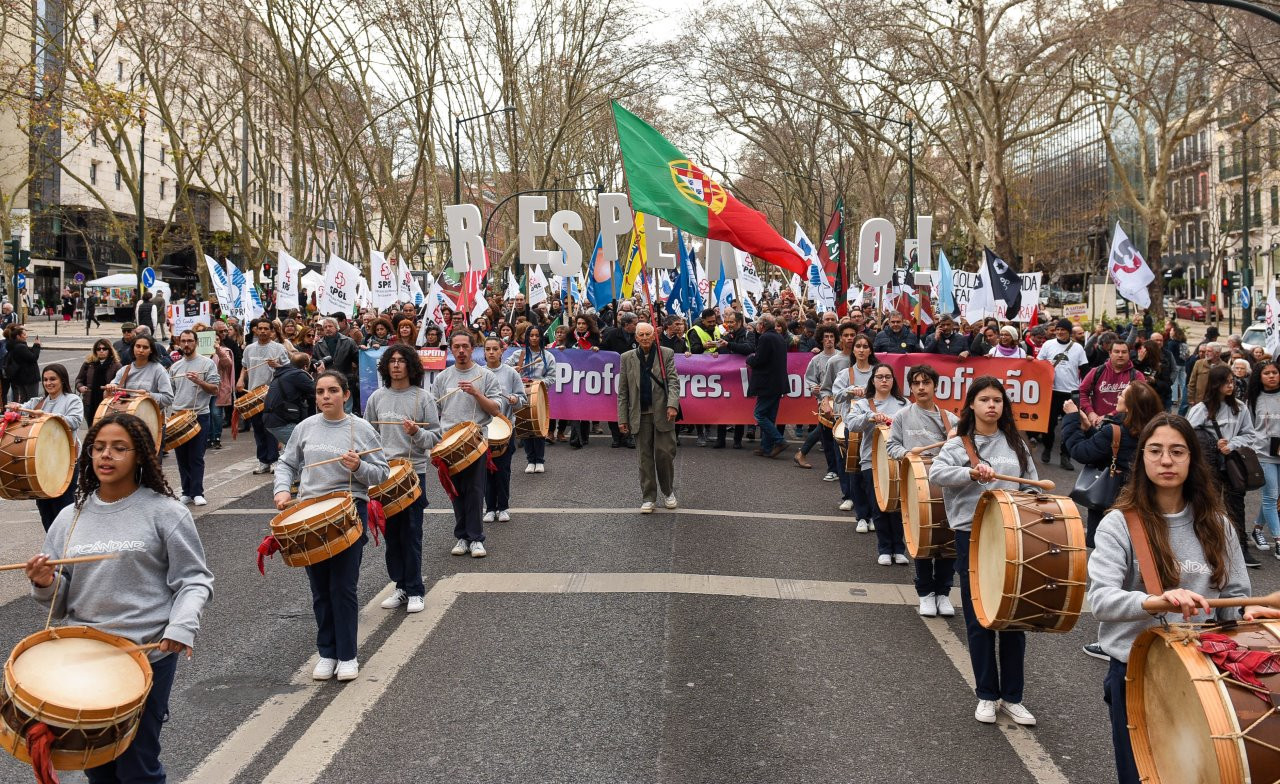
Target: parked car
{"type": "Point", "coordinates": [1255, 336]}
{"type": "Point", "coordinates": [1195, 310]}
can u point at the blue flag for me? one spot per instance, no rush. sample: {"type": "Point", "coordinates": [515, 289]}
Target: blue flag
{"type": "Point", "coordinates": [601, 282]}
{"type": "Point", "coordinates": [686, 298]}
{"type": "Point", "coordinates": [946, 297]}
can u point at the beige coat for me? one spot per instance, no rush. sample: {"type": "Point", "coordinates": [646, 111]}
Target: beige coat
{"type": "Point", "coordinates": [1198, 381]}
{"type": "Point", "coordinates": [664, 395]}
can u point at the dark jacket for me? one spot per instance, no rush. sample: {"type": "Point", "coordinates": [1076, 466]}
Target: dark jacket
{"type": "Point", "coordinates": [742, 341]}
{"type": "Point", "coordinates": [768, 366]}
{"type": "Point", "coordinates": [901, 342]}
{"type": "Point", "coordinates": [678, 344]}
{"type": "Point", "coordinates": [343, 358]}
{"type": "Point", "coordinates": [952, 345]}
{"type": "Point", "coordinates": [618, 339]}
{"type": "Point", "coordinates": [291, 397]}
{"type": "Point", "coordinates": [1093, 447]}
{"type": "Point", "coordinates": [22, 363]}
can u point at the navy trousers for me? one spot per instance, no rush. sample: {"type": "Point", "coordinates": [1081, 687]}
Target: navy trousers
{"type": "Point", "coordinates": [404, 545]}
{"type": "Point", "coordinates": [140, 763]}
{"type": "Point", "coordinates": [267, 446]}
{"type": "Point", "coordinates": [997, 657]}
{"type": "Point", "coordinates": [191, 458]}
{"type": "Point", "coordinates": [889, 538]}
{"type": "Point", "coordinates": [468, 507]}
{"type": "Point", "coordinates": [333, 597]}
{"type": "Point", "coordinates": [497, 490]}
{"type": "Point", "coordinates": [535, 451]}
{"type": "Point", "coordinates": [934, 575]}
{"type": "Point", "coordinates": [1113, 695]}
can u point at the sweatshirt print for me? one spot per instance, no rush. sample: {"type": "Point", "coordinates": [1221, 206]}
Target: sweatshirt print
{"type": "Point", "coordinates": [960, 492]}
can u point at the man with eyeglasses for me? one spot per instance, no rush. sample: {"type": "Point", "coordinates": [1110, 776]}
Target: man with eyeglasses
{"type": "Point", "coordinates": [124, 346]}
{"type": "Point", "coordinates": [195, 381]}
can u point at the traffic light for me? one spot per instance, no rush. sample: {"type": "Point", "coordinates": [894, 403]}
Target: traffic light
{"type": "Point", "coordinates": [142, 258]}
{"type": "Point", "coordinates": [24, 260]}
{"type": "Point", "coordinates": [11, 251]}
{"type": "Point", "coordinates": [266, 270]}
{"type": "Point", "coordinates": [1226, 285]}
{"type": "Point", "coordinates": [1248, 277]}
{"type": "Point", "coordinates": [1235, 279]}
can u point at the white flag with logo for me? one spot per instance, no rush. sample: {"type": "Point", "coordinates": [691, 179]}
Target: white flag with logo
{"type": "Point", "coordinates": [404, 283]}
{"type": "Point", "coordinates": [537, 285]}
{"type": "Point", "coordinates": [1129, 270]}
{"type": "Point", "coordinates": [1273, 322]}
{"type": "Point", "coordinates": [513, 286]}
{"type": "Point", "coordinates": [341, 282]}
{"type": "Point", "coordinates": [221, 284]}
{"type": "Point", "coordinates": [382, 281]}
{"type": "Point", "coordinates": [748, 280]}
{"type": "Point", "coordinates": [287, 284]}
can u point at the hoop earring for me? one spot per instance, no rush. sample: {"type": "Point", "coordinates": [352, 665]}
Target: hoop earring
{"type": "Point", "coordinates": [137, 474]}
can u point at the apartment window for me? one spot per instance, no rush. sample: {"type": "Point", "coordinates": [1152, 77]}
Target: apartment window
{"type": "Point", "coordinates": [97, 22]}
{"type": "Point", "coordinates": [1204, 189]}
{"type": "Point", "coordinates": [1204, 232]}
{"type": "Point", "coordinates": [1222, 211]}
{"type": "Point", "coordinates": [119, 70]}
{"type": "Point", "coordinates": [162, 154]}
{"type": "Point", "coordinates": [162, 183]}
{"type": "Point", "coordinates": [118, 183]}
{"type": "Point", "coordinates": [1177, 240]}
{"type": "Point", "coordinates": [1193, 241]}
{"type": "Point", "coordinates": [1190, 185]}
{"type": "Point", "coordinates": [93, 137]}
{"type": "Point", "coordinates": [1255, 215]}
{"type": "Point", "coordinates": [93, 174]}
{"type": "Point", "coordinates": [1273, 154]}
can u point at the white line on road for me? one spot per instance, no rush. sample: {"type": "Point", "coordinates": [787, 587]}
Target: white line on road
{"type": "Point", "coordinates": [599, 511]}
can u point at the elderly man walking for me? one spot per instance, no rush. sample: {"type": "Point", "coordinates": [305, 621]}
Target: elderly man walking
{"type": "Point", "coordinates": [648, 403]}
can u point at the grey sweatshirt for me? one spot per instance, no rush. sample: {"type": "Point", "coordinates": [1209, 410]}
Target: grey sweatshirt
{"type": "Point", "coordinates": [814, 371]}
{"type": "Point", "coordinates": [315, 439]}
{"type": "Point", "coordinates": [157, 586]}
{"type": "Point", "coordinates": [69, 407]}
{"type": "Point", "coordinates": [839, 361]}
{"type": "Point", "coordinates": [1266, 419]}
{"type": "Point", "coordinates": [860, 421]}
{"type": "Point", "coordinates": [914, 427]}
{"type": "Point", "coordinates": [255, 360]}
{"type": "Point", "coordinates": [960, 493]}
{"type": "Point", "coordinates": [460, 406]}
{"type": "Point", "coordinates": [1236, 427]}
{"type": "Point", "coordinates": [841, 391]}
{"type": "Point", "coordinates": [152, 378]}
{"type": "Point", "coordinates": [509, 383]}
{"type": "Point", "coordinates": [414, 404]}
{"type": "Point", "coordinates": [187, 396]}
{"type": "Point", "coordinates": [1116, 590]}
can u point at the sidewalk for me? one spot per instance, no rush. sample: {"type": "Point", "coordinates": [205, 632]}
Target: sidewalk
{"type": "Point", "coordinates": [70, 335]}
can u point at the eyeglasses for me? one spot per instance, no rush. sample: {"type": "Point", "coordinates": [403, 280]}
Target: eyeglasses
{"type": "Point", "coordinates": [1176, 453]}
{"type": "Point", "coordinates": [113, 451]}
{"type": "Point", "coordinates": [882, 377]}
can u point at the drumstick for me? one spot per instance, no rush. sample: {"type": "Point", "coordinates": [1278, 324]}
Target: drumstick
{"type": "Point", "coordinates": [397, 422]}
{"type": "Point", "coordinates": [1043, 484]}
{"type": "Point", "coordinates": [336, 459]}
{"type": "Point", "coordinates": [927, 447]}
{"type": "Point", "coordinates": [61, 561]}
{"type": "Point", "coordinates": [445, 396]}
{"type": "Point", "coordinates": [1158, 605]}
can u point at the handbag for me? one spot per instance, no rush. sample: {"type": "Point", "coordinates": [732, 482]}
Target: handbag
{"type": "Point", "coordinates": [1096, 488]}
{"type": "Point", "coordinates": [1241, 467]}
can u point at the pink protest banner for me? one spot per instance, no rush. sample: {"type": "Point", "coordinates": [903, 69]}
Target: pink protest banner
{"type": "Point", "coordinates": [1029, 383]}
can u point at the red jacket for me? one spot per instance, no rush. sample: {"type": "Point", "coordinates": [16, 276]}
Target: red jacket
{"type": "Point", "coordinates": [1101, 388]}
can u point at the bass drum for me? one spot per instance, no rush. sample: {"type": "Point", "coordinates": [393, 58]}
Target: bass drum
{"type": "Point", "coordinates": [924, 517]}
{"type": "Point", "coordinates": [885, 471]}
{"type": "Point", "coordinates": [141, 405]}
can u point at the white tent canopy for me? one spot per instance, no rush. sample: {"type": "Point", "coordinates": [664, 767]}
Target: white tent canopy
{"type": "Point", "coordinates": [119, 280]}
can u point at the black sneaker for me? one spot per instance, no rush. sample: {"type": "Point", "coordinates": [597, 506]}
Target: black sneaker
{"type": "Point", "coordinates": [1276, 552]}
{"type": "Point", "coordinates": [1095, 650]}
{"type": "Point", "coordinates": [1250, 561]}
{"type": "Point", "coordinates": [1065, 462]}
{"type": "Point", "coordinates": [1045, 457]}
{"type": "Point", "coordinates": [1260, 539]}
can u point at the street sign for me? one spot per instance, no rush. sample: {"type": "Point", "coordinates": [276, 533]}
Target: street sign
{"type": "Point", "coordinates": [79, 277]}
{"type": "Point", "coordinates": [148, 277]}
{"type": "Point", "coordinates": [21, 280]}
{"type": "Point", "coordinates": [1244, 298]}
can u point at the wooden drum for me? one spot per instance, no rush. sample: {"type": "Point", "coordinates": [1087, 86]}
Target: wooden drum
{"type": "Point", "coordinates": [461, 446]}
{"type": "Point", "coordinates": [88, 686]}
{"type": "Point", "coordinates": [1027, 562]}
{"type": "Point", "coordinates": [924, 518]}
{"type": "Point", "coordinates": [252, 403]}
{"type": "Point", "coordinates": [139, 403]}
{"type": "Point", "coordinates": [885, 471]}
{"type": "Point", "coordinates": [1191, 723]}
{"type": "Point", "coordinates": [400, 489]}
{"type": "Point", "coordinates": [318, 528]}
{"type": "Point", "coordinates": [498, 435]}
{"type": "Point", "coordinates": [179, 429]}
{"type": "Point", "coordinates": [533, 420]}
{"type": "Point", "coordinates": [37, 457]}
{"type": "Point", "coordinates": [826, 418]}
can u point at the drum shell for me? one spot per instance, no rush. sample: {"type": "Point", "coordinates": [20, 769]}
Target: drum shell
{"type": "Point", "coordinates": [924, 516]}
{"type": "Point", "coordinates": [827, 419]}
{"type": "Point", "coordinates": [83, 738]}
{"type": "Point", "coordinates": [498, 445]}
{"type": "Point", "coordinates": [139, 404]}
{"type": "Point", "coordinates": [886, 472]}
{"type": "Point", "coordinates": [460, 451]}
{"type": "Point", "coordinates": [179, 429]}
{"type": "Point", "coordinates": [1221, 730]}
{"type": "Point", "coordinates": [1041, 568]}
{"type": "Point", "coordinates": [533, 420]}
{"type": "Point", "coordinates": [315, 538]}
{"type": "Point", "coordinates": [400, 489]}
{"type": "Point", "coordinates": [19, 475]}
{"type": "Point", "coordinates": [252, 403]}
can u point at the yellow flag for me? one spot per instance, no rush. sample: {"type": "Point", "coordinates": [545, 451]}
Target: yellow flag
{"type": "Point", "coordinates": [635, 257]}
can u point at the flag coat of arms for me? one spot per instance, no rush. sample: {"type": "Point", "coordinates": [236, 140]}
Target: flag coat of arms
{"type": "Point", "coordinates": [664, 182]}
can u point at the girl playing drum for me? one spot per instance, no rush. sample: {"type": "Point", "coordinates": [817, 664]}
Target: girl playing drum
{"type": "Point", "coordinates": [883, 401]}
{"type": "Point", "coordinates": [333, 433]}
{"type": "Point", "coordinates": [533, 362]}
{"type": "Point", "coordinates": [1172, 501]}
{"type": "Point", "coordinates": [58, 401]}
{"type": "Point", "coordinates": [144, 373]}
{"type": "Point", "coordinates": [153, 591]}
{"type": "Point", "coordinates": [986, 427]}
{"type": "Point", "coordinates": [850, 382]}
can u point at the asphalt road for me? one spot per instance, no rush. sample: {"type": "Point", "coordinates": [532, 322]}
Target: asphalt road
{"type": "Point", "coordinates": [748, 637]}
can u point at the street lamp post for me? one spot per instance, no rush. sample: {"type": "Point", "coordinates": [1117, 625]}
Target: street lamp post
{"type": "Point", "coordinates": [1241, 5]}
{"type": "Point", "coordinates": [911, 164]}
{"type": "Point", "coordinates": [457, 154]}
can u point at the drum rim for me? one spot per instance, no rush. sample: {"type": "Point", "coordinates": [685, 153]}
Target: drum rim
{"type": "Point", "coordinates": [1002, 500]}
{"type": "Point", "coordinates": [37, 491]}
{"type": "Point", "coordinates": [68, 759]}
{"type": "Point", "coordinates": [64, 715]}
{"type": "Point", "coordinates": [476, 449]}
{"type": "Point", "coordinates": [912, 530]}
{"type": "Point", "coordinates": [327, 550]}
{"type": "Point", "coordinates": [886, 499]}
{"type": "Point", "coordinates": [278, 524]}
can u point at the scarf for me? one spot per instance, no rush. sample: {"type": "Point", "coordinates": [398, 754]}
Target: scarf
{"type": "Point", "coordinates": [646, 377]}
{"type": "Point", "coordinates": [583, 340]}
{"type": "Point", "coordinates": [1006, 352]}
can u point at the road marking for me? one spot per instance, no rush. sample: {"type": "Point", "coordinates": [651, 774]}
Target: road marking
{"type": "Point", "coordinates": [597, 511]}
{"type": "Point", "coordinates": [1034, 756]}
{"type": "Point", "coordinates": [241, 747]}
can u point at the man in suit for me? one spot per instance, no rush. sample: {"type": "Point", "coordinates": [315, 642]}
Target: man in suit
{"type": "Point", "coordinates": [768, 384]}
{"type": "Point", "coordinates": [648, 402]}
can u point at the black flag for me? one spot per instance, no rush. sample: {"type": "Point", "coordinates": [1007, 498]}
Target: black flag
{"type": "Point", "coordinates": [1005, 284]}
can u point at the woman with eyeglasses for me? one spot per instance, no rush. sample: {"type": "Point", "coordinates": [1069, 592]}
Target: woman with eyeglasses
{"type": "Point", "coordinates": [58, 401]}
{"type": "Point", "coordinates": [882, 402]}
{"type": "Point", "coordinates": [1172, 501]}
{"type": "Point", "coordinates": [96, 372]}
{"type": "Point", "coordinates": [850, 383]}
{"type": "Point", "coordinates": [154, 592]}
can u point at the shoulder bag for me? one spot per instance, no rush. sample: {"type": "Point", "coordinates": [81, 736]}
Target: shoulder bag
{"type": "Point", "coordinates": [1241, 467]}
{"type": "Point", "coordinates": [1096, 488]}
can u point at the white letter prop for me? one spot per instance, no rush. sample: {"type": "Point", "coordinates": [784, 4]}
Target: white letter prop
{"type": "Point", "coordinates": [657, 234]}
{"type": "Point", "coordinates": [569, 262]}
{"type": "Point", "coordinates": [876, 229]}
{"type": "Point", "coordinates": [462, 224]}
{"type": "Point", "coordinates": [924, 234]}
{"type": "Point", "coordinates": [531, 229]}
{"type": "Point", "coordinates": [721, 254]}
{"type": "Point", "coordinates": [615, 222]}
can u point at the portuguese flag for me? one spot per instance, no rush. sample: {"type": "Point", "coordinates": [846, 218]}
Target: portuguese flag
{"type": "Point", "coordinates": [663, 182]}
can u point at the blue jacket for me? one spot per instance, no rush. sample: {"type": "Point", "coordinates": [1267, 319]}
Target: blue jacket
{"type": "Point", "coordinates": [1093, 447]}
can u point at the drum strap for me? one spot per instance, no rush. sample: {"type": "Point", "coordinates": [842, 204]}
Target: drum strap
{"type": "Point", "coordinates": [40, 403]}
{"type": "Point", "coordinates": [974, 457]}
{"type": "Point", "coordinates": [1142, 553]}
{"type": "Point", "coordinates": [125, 378]}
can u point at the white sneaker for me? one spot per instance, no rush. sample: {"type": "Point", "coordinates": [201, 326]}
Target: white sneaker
{"type": "Point", "coordinates": [488, 517]}
{"type": "Point", "coordinates": [945, 608]}
{"type": "Point", "coordinates": [901, 559]}
{"type": "Point", "coordinates": [477, 550]}
{"type": "Point", "coordinates": [324, 669]}
{"type": "Point", "coordinates": [1019, 714]}
{"type": "Point", "coordinates": [885, 560]}
{"type": "Point", "coordinates": [862, 527]}
{"type": "Point", "coordinates": [646, 507]}
{"type": "Point", "coordinates": [261, 469]}
{"type": "Point", "coordinates": [830, 477]}
{"type": "Point", "coordinates": [986, 712]}
{"type": "Point", "coordinates": [199, 501]}
{"type": "Point", "coordinates": [460, 548]}
{"type": "Point", "coordinates": [540, 468]}
{"type": "Point", "coordinates": [929, 606]}
{"type": "Point", "coordinates": [504, 516]}
{"type": "Point", "coordinates": [185, 499]}
{"type": "Point", "coordinates": [393, 601]}
{"type": "Point", "coordinates": [348, 670]}
{"type": "Point", "coordinates": [671, 502]}
{"type": "Point", "coordinates": [846, 506]}
{"type": "Point", "coordinates": [415, 604]}
{"type": "Point", "coordinates": [529, 469]}
{"type": "Point", "coordinates": [871, 525]}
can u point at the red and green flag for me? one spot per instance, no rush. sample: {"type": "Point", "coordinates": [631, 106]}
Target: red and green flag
{"type": "Point", "coordinates": [663, 182]}
{"type": "Point", "coordinates": [831, 256]}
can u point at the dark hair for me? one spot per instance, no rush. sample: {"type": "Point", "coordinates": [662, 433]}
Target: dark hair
{"type": "Point", "coordinates": [1254, 388]}
{"type": "Point", "coordinates": [339, 377]}
{"type": "Point", "coordinates": [151, 343]}
{"type": "Point", "coordinates": [1142, 404]}
{"type": "Point", "coordinates": [102, 343]}
{"type": "Point", "coordinates": [1213, 397]}
{"type": "Point", "coordinates": [922, 370]}
{"type": "Point", "coordinates": [471, 341]}
{"type": "Point", "coordinates": [824, 330]}
{"type": "Point", "coordinates": [1200, 491]}
{"type": "Point", "coordinates": [61, 372]}
{"type": "Point", "coordinates": [864, 336]}
{"type": "Point", "coordinates": [254, 324]}
{"type": "Point", "coordinates": [382, 321]}
{"type": "Point", "coordinates": [894, 390]}
{"type": "Point", "coordinates": [1154, 355]}
{"type": "Point", "coordinates": [542, 342]}
{"type": "Point", "coordinates": [148, 473]}
{"type": "Point", "coordinates": [190, 332]}
{"type": "Point", "coordinates": [410, 359]}
{"type": "Point", "coordinates": [1006, 423]}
